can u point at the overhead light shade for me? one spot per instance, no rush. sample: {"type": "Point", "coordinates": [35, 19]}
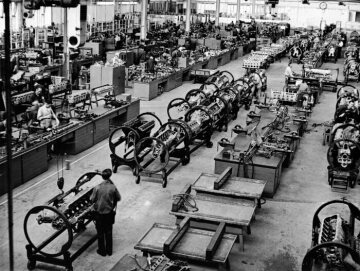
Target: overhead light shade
{"type": "Point", "coordinates": [341, 3]}
{"type": "Point", "coordinates": [306, 2]}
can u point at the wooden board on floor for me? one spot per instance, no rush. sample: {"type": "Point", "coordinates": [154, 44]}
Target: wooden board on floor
{"type": "Point", "coordinates": [191, 246]}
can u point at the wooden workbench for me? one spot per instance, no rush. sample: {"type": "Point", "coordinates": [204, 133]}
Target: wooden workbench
{"type": "Point", "coordinates": [236, 187]}
{"type": "Point", "coordinates": [236, 214]}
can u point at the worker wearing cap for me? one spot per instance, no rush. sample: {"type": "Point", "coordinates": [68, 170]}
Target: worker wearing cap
{"type": "Point", "coordinates": [105, 197]}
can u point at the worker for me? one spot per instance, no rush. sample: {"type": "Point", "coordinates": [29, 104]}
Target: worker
{"type": "Point", "coordinates": [151, 64]}
{"type": "Point", "coordinates": [45, 115]}
{"type": "Point", "coordinates": [288, 73]}
{"type": "Point", "coordinates": [39, 96]}
{"type": "Point", "coordinates": [105, 197]}
{"type": "Point", "coordinates": [117, 42]}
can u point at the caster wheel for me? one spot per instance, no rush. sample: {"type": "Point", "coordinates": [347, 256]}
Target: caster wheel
{"type": "Point", "coordinates": [225, 128]}
{"type": "Point", "coordinates": [247, 107]}
{"type": "Point", "coordinates": [323, 141]}
{"type": "Point", "coordinates": [114, 169]}
{"type": "Point", "coordinates": [352, 182]}
{"type": "Point", "coordinates": [164, 177]}
{"type": "Point", "coordinates": [209, 144]}
{"type": "Point", "coordinates": [329, 180]}
{"type": "Point", "coordinates": [235, 116]}
{"type": "Point", "coordinates": [31, 265]}
{"type": "Point", "coordinates": [185, 160]}
{"type": "Point", "coordinates": [137, 181]}
{"type": "Point", "coordinates": [134, 171]}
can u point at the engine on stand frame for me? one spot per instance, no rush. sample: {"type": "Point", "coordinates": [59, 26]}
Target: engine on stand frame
{"type": "Point", "coordinates": [51, 229]}
{"type": "Point", "coordinates": [177, 139]}
{"type": "Point", "coordinates": [344, 151]}
{"type": "Point", "coordinates": [123, 139]}
{"type": "Point", "coordinates": [334, 245]}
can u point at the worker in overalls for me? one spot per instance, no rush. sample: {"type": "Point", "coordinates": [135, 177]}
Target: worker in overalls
{"type": "Point", "coordinates": [105, 197]}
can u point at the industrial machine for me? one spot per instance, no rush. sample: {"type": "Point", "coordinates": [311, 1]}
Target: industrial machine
{"type": "Point", "coordinates": [179, 106]}
{"type": "Point", "coordinates": [177, 139]}
{"type": "Point", "coordinates": [334, 243]}
{"type": "Point", "coordinates": [347, 105]}
{"type": "Point", "coordinates": [123, 139]}
{"type": "Point", "coordinates": [344, 160]}
{"type": "Point", "coordinates": [352, 65]}
{"type": "Point", "coordinates": [221, 79]}
{"type": "Point", "coordinates": [52, 230]}
{"type": "Point", "coordinates": [246, 89]}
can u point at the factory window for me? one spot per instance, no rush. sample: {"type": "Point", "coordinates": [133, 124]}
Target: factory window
{"type": "Point", "coordinates": [354, 16]}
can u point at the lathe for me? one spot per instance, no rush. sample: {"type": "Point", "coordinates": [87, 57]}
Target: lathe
{"type": "Point", "coordinates": [334, 243]}
{"type": "Point", "coordinates": [123, 139]}
{"type": "Point", "coordinates": [52, 230]}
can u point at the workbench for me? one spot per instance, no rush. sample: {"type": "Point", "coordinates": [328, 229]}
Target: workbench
{"type": "Point", "coordinates": [259, 167]}
{"type": "Point", "coordinates": [236, 214]}
{"type": "Point", "coordinates": [32, 161]}
{"type": "Point", "coordinates": [225, 185]}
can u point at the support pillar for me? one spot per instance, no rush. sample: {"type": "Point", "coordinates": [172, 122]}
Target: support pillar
{"type": "Point", "coordinates": [238, 10]}
{"type": "Point", "coordinates": [143, 26]}
{"type": "Point", "coordinates": [217, 13]}
{"type": "Point", "coordinates": [188, 14]}
{"type": "Point", "coordinates": [253, 8]}
{"type": "Point", "coordinates": [66, 65]}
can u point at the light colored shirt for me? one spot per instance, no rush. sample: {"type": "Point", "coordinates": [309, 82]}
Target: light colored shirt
{"type": "Point", "coordinates": [44, 113]}
{"type": "Point", "coordinates": [288, 72]}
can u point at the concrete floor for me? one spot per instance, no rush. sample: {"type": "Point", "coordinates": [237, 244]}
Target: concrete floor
{"type": "Point", "coordinates": [280, 235]}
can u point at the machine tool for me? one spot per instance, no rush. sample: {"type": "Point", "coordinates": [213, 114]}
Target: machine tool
{"type": "Point", "coordinates": [334, 243]}
{"type": "Point", "coordinates": [51, 229]}
{"type": "Point", "coordinates": [177, 139]}
{"type": "Point", "coordinates": [123, 139]}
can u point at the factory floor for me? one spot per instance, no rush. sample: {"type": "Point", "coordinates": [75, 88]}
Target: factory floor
{"type": "Point", "coordinates": [280, 235]}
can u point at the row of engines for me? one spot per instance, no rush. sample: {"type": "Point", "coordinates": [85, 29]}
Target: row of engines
{"type": "Point", "coordinates": [145, 142]}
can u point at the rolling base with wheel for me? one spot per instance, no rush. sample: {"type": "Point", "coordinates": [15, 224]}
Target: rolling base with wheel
{"type": "Point", "coordinates": [116, 162]}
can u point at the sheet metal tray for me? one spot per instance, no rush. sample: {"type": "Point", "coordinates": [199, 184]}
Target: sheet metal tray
{"type": "Point", "coordinates": [191, 246]}
{"type": "Point", "coordinates": [231, 211]}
